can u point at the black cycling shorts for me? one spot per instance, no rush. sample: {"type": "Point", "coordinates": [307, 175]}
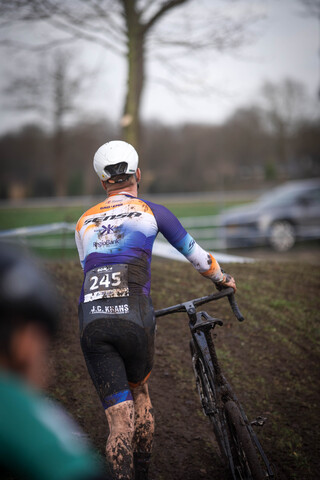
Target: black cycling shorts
{"type": "Point", "coordinates": [117, 341]}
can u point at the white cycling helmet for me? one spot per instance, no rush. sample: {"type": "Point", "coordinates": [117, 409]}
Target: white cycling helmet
{"type": "Point", "coordinates": [115, 158]}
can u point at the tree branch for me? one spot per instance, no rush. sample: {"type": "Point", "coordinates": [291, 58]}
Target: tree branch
{"type": "Point", "coordinates": [37, 48]}
{"type": "Point", "coordinates": [165, 7]}
{"type": "Point", "coordinates": [85, 35]}
{"type": "Point", "coordinates": [63, 19]}
{"type": "Point", "coordinates": [116, 28]}
{"type": "Point", "coordinates": [81, 20]}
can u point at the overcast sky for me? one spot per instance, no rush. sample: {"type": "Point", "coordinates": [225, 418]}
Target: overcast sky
{"type": "Point", "coordinates": [286, 45]}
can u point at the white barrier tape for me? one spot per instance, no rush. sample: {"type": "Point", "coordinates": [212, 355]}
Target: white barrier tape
{"type": "Point", "coordinates": [38, 230]}
{"type": "Point", "coordinates": [160, 248]}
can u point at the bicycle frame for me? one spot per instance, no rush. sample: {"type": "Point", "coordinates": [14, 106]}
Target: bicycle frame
{"type": "Point", "coordinates": [200, 324]}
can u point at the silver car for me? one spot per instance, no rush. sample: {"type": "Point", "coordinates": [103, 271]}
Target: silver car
{"type": "Point", "coordinates": [279, 218]}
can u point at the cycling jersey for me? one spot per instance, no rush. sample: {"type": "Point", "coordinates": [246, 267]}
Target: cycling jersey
{"type": "Point", "coordinates": [117, 324]}
{"type": "Point", "coordinates": [121, 231]}
{"type": "Point", "coordinates": [37, 439]}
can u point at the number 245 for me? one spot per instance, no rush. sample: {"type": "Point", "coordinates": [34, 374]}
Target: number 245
{"type": "Point", "coordinates": [106, 281]}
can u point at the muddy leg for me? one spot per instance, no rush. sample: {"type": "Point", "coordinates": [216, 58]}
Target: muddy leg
{"type": "Point", "coordinates": [143, 431]}
{"type": "Point", "coordinates": [119, 445]}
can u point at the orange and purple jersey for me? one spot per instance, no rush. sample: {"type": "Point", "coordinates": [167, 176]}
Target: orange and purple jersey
{"type": "Point", "coordinates": [117, 235]}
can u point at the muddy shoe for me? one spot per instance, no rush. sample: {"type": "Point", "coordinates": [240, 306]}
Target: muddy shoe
{"type": "Point", "coordinates": [141, 465]}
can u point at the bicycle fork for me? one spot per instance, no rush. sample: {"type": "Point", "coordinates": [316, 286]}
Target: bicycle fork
{"type": "Point", "coordinates": [209, 389]}
{"type": "Point", "coordinates": [216, 390]}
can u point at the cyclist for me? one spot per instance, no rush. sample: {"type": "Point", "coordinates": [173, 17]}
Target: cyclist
{"type": "Point", "coordinates": [37, 439]}
{"type": "Point", "coordinates": [117, 325]}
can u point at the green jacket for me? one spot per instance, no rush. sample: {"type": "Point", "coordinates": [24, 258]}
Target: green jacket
{"type": "Point", "coordinates": [38, 440]}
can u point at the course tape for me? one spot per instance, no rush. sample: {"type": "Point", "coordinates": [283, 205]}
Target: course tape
{"type": "Point", "coordinates": [160, 248]}
{"type": "Point", "coordinates": [38, 230]}
{"type": "Point", "coordinates": [165, 250]}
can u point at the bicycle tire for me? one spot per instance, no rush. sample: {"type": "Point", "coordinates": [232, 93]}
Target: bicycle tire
{"type": "Point", "coordinates": [208, 400]}
{"type": "Point", "coordinates": [245, 457]}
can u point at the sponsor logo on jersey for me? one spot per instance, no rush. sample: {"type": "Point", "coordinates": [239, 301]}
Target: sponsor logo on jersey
{"type": "Point", "coordinates": [108, 207]}
{"type": "Point", "coordinates": [106, 230]}
{"type": "Point", "coordinates": [192, 242]}
{"type": "Point", "coordinates": [109, 309]}
{"type": "Point", "coordinates": [105, 243]}
{"type": "Point", "coordinates": [104, 269]}
{"type": "Point", "coordinates": [112, 217]}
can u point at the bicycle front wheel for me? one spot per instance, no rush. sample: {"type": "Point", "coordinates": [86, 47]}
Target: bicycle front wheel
{"type": "Point", "coordinates": [246, 461]}
{"type": "Point", "coordinates": [209, 402]}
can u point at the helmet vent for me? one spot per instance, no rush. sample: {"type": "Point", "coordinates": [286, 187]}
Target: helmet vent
{"type": "Point", "coordinates": [116, 169]}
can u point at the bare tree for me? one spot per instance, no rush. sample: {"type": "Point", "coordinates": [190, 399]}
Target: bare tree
{"type": "Point", "coordinates": [286, 103]}
{"type": "Point", "coordinates": [286, 106]}
{"type": "Point", "coordinates": [135, 29]}
{"type": "Point", "coordinates": [311, 8]}
{"type": "Point", "coordinates": [50, 91]}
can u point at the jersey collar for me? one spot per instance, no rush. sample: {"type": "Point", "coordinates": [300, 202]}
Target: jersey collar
{"type": "Point", "coordinates": [121, 193]}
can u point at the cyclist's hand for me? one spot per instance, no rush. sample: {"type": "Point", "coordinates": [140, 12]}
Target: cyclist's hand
{"type": "Point", "coordinates": [227, 281]}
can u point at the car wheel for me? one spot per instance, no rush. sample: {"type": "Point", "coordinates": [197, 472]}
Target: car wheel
{"type": "Point", "coordinates": [282, 236]}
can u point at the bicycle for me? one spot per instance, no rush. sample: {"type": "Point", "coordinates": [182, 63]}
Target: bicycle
{"type": "Point", "coordinates": [237, 441]}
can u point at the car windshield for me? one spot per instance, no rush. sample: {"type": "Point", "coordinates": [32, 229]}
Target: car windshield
{"type": "Point", "coordinates": [285, 195]}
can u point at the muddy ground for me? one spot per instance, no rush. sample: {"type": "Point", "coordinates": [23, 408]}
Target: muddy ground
{"type": "Point", "coordinates": [272, 360]}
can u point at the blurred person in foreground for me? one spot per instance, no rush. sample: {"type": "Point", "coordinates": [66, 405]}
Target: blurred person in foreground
{"type": "Point", "coordinates": [117, 323]}
{"type": "Point", "coordinates": [38, 440]}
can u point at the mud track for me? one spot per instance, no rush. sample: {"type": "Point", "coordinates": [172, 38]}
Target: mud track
{"type": "Point", "coordinates": [272, 360]}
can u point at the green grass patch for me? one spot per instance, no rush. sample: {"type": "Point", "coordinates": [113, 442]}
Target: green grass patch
{"type": "Point", "coordinates": [24, 217]}
{"type": "Point", "coordinates": [27, 217]}
{"type": "Point", "coordinates": [193, 209]}
{"type": "Point", "coordinates": [11, 218]}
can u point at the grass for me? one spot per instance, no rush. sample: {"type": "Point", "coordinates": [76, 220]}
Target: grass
{"type": "Point", "coordinates": [24, 217]}
{"type": "Point", "coordinates": [196, 209]}
{"type": "Point", "coordinates": [27, 217]}
{"type": "Point", "coordinates": [11, 218]}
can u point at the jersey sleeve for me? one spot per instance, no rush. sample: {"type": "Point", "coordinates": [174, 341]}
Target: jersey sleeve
{"type": "Point", "coordinates": [174, 232]}
{"type": "Point", "coordinates": [79, 245]}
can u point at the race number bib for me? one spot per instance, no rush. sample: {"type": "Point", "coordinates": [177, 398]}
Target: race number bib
{"type": "Point", "coordinates": [106, 282]}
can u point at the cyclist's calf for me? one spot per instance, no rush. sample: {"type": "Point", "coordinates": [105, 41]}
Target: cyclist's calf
{"type": "Point", "coordinates": [144, 420]}
{"type": "Point", "coordinates": [119, 445]}
{"type": "Point", "coordinates": [129, 445]}
{"type": "Point", "coordinates": [144, 430]}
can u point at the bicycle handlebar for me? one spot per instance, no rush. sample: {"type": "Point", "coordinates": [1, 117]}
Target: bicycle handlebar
{"type": "Point", "coordinates": [182, 307]}
{"type": "Point", "coordinates": [235, 308]}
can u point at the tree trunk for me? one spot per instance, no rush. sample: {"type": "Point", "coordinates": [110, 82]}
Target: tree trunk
{"type": "Point", "coordinates": [59, 165]}
{"type": "Point", "coordinates": [60, 103]}
{"type": "Point", "coordinates": [131, 130]}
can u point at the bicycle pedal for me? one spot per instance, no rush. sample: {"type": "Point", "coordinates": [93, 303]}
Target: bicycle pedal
{"type": "Point", "coordinates": [259, 421]}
